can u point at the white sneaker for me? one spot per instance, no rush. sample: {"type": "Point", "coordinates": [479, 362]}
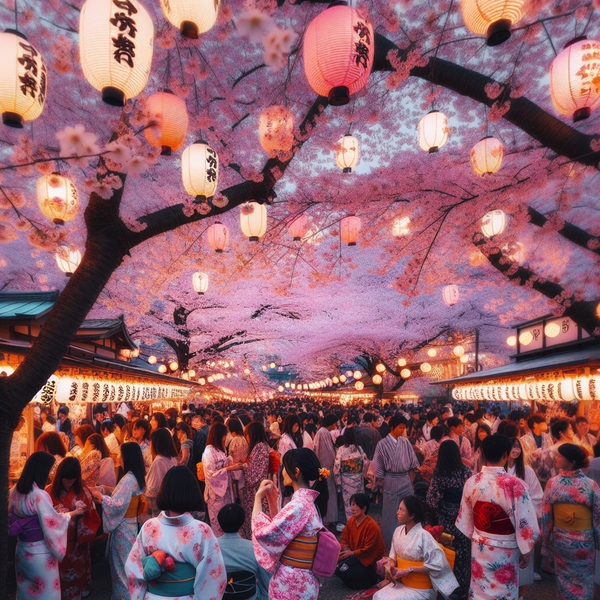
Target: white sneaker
{"type": "Point", "coordinates": [340, 527]}
{"type": "Point", "coordinates": [537, 577]}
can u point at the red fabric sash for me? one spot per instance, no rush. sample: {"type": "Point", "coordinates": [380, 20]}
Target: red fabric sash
{"type": "Point", "coordinates": [492, 518]}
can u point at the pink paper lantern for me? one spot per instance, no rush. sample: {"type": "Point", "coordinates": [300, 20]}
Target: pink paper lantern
{"type": "Point", "coordinates": [349, 230]}
{"type": "Point", "coordinates": [217, 236]}
{"type": "Point", "coordinates": [450, 294]}
{"type": "Point", "coordinates": [299, 227]}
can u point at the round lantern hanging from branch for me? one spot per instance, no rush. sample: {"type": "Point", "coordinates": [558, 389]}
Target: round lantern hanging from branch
{"type": "Point", "coordinates": [433, 131]}
{"type": "Point", "coordinates": [299, 228]}
{"type": "Point", "coordinates": [276, 129]}
{"type": "Point", "coordinates": [339, 47]}
{"type": "Point", "coordinates": [115, 48]}
{"type": "Point", "coordinates": [217, 236]}
{"type": "Point", "coordinates": [405, 373]}
{"type": "Point", "coordinates": [450, 294]}
{"type": "Point", "coordinates": [492, 18]}
{"type": "Point", "coordinates": [168, 120]}
{"type": "Point", "coordinates": [68, 260]}
{"type": "Point", "coordinates": [192, 17]}
{"type": "Point", "coordinates": [200, 282]}
{"type": "Point", "coordinates": [346, 155]}
{"type": "Point", "coordinates": [200, 170]}
{"type": "Point", "coordinates": [57, 198]}
{"type": "Point", "coordinates": [359, 385]}
{"type": "Point", "coordinates": [253, 220]}
{"type": "Point", "coordinates": [486, 156]}
{"type": "Point", "coordinates": [349, 230]}
{"type": "Point", "coordinates": [493, 223]}
{"type": "Point", "coordinates": [574, 77]}
{"type": "Point", "coordinates": [23, 80]}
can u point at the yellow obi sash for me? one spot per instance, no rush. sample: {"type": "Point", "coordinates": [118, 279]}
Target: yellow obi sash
{"type": "Point", "coordinates": [573, 517]}
{"type": "Point", "coordinates": [300, 552]}
{"type": "Point", "coordinates": [137, 506]}
{"type": "Point", "coordinates": [416, 581]}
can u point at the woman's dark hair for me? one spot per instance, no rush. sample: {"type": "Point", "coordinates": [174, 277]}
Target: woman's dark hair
{"type": "Point", "coordinates": [494, 447]}
{"type": "Point", "coordinates": [142, 424]}
{"type": "Point", "coordinates": [83, 432]}
{"type": "Point", "coordinates": [306, 461]}
{"type": "Point", "coordinates": [361, 500]}
{"type": "Point", "coordinates": [69, 468]}
{"type": "Point", "coordinates": [288, 425]}
{"type": "Point", "coordinates": [480, 413]}
{"type": "Point", "coordinates": [350, 437]}
{"type": "Point", "coordinates": [256, 434]}
{"type": "Point", "coordinates": [576, 454]}
{"type": "Point", "coordinates": [133, 461]}
{"type": "Point", "coordinates": [559, 427]}
{"type": "Point", "coordinates": [160, 419]}
{"type": "Point", "coordinates": [485, 428]}
{"type": "Point", "coordinates": [437, 432]}
{"type": "Point", "coordinates": [185, 428]}
{"type": "Point", "coordinates": [216, 433]}
{"type": "Point", "coordinates": [179, 491]}
{"type": "Point", "coordinates": [535, 418]}
{"type": "Point", "coordinates": [519, 461]}
{"type": "Point", "coordinates": [234, 426]}
{"type": "Point", "coordinates": [231, 518]}
{"type": "Point", "coordinates": [97, 442]}
{"type": "Point", "coordinates": [329, 420]}
{"type": "Point", "coordinates": [36, 470]}
{"type": "Point", "coordinates": [51, 443]}
{"type": "Point", "coordinates": [509, 429]}
{"type": "Point", "coordinates": [162, 444]}
{"type": "Point", "coordinates": [431, 415]}
{"type": "Point", "coordinates": [449, 460]}
{"type": "Point", "coordinates": [414, 507]}
{"type": "Point", "coordinates": [119, 421]}
{"type": "Point", "coordinates": [108, 425]}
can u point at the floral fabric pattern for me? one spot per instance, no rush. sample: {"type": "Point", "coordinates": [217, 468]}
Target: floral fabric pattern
{"type": "Point", "coordinates": [348, 471]}
{"type": "Point", "coordinates": [217, 492]}
{"type": "Point", "coordinates": [257, 471]}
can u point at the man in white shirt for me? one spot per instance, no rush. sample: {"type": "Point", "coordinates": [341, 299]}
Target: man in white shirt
{"type": "Point", "coordinates": [107, 429]}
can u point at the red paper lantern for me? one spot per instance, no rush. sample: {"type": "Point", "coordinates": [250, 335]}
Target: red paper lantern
{"type": "Point", "coordinates": [338, 53]}
{"type": "Point", "coordinates": [169, 113]}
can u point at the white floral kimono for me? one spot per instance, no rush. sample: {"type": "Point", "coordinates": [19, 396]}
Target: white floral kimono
{"type": "Point", "coordinates": [37, 562]}
{"type": "Point", "coordinates": [217, 492]}
{"type": "Point", "coordinates": [419, 545]}
{"type": "Point", "coordinates": [187, 541]}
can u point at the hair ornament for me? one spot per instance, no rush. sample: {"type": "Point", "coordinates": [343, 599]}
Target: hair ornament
{"type": "Point", "coordinates": [324, 473]}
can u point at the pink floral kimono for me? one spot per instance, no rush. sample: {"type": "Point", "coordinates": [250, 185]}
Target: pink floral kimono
{"type": "Point", "coordinates": [271, 537]}
{"type": "Point", "coordinates": [37, 561]}
{"type": "Point", "coordinates": [217, 492]}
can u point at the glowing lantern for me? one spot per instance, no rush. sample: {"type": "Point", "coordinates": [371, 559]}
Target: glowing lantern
{"type": "Point", "coordinates": [200, 169]}
{"type": "Point", "coordinates": [272, 365]}
{"type": "Point", "coordinates": [405, 373]}
{"type": "Point", "coordinates": [200, 282]}
{"type": "Point", "coordinates": [173, 365]}
{"type": "Point", "coordinates": [552, 329]}
{"type": "Point", "coordinates": [343, 378]}
{"type": "Point", "coordinates": [511, 340]}
{"type": "Point", "coordinates": [193, 17]}
{"type": "Point", "coordinates": [493, 223]}
{"type": "Point", "coordinates": [401, 362]}
{"type": "Point", "coordinates": [68, 260]}
{"type": "Point", "coordinates": [464, 358]}
{"type": "Point", "coordinates": [346, 156]}
{"type": "Point", "coordinates": [246, 371]}
{"type": "Point", "coordinates": [433, 131]}
{"type": "Point", "coordinates": [57, 198]}
{"type": "Point", "coordinates": [276, 129]}
{"type": "Point", "coordinates": [486, 156]}
{"type": "Point", "coordinates": [185, 376]}
{"type": "Point", "coordinates": [431, 352]}
{"type": "Point", "coordinates": [217, 236]}
{"type": "Point", "coordinates": [359, 385]}
{"type": "Point", "coordinates": [23, 80]}
{"type": "Point", "coordinates": [349, 230]}
{"type": "Point", "coordinates": [202, 381]}
{"type": "Point", "coordinates": [287, 384]}
{"type": "Point", "coordinates": [400, 227]}
{"type": "Point", "coordinates": [357, 374]}
{"type": "Point", "coordinates": [492, 18]}
{"type": "Point", "coordinates": [458, 351]}
{"type": "Point", "coordinates": [377, 379]}
{"type": "Point", "coordinates": [210, 379]}
{"type": "Point", "coordinates": [294, 386]}
{"type": "Point", "coordinates": [162, 369]}
{"type": "Point", "coordinates": [115, 48]}
{"type": "Point", "coordinates": [338, 53]}
{"type": "Point", "coordinates": [574, 76]}
{"type": "Point", "coordinates": [299, 228]}
{"type": "Point", "coordinates": [425, 367]}
{"type": "Point", "coordinates": [525, 338]}
{"type": "Point", "coordinates": [265, 368]}
{"type": "Point", "coordinates": [280, 388]}
{"type": "Point", "coordinates": [380, 368]}
{"type": "Point", "coordinates": [515, 251]}
{"type": "Point", "coordinates": [450, 294]}
{"type": "Point", "coordinates": [253, 220]}
{"type": "Point", "coordinates": [152, 360]}
{"type": "Point", "coordinates": [335, 380]}
{"type": "Point", "coordinates": [192, 373]}
{"type": "Point", "coordinates": [169, 113]}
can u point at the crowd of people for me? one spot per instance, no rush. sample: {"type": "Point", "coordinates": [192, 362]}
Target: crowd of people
{"type": "Point", "coordinates": [233, 501]}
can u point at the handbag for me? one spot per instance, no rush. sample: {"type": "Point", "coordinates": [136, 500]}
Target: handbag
{"type": "Point", "coordinates": [327, 554]}
{"type": "Point", "coordinates": [200, 472]}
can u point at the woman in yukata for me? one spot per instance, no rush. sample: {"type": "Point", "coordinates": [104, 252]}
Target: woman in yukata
{"type": "Point", "coordinates": [280, 540]}
{"type": "Point", "coordinates": [417, 567]}
{"type": "Point", "coordinates": [41, 531]}
{"type": "Point", "coordinates": [176, 556]}
{"type": "Point", "coordinates": [120, 510]}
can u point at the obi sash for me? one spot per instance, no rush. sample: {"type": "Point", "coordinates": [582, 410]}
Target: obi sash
{"type": "Point", "coordinates": [452, 496]}
{"type": "Point", "coordinates": [573, 517]}
{"type": "Point", "coordinates": [28, 529]}
{"type": "Point", "coordinates": [351, 465]}
{"type": "Point", "coordinates": [241, 585]}
{"type": "Point", "coordinates": [138, 505]}
{"type": "Point", "coordinates": [492, 518]}
{"type": "Point", "coordinates": [300, 552]}
{"type": "Point", "coordinates": [416, 581]}
{"type": "Point", "coordinates": [178, 582]}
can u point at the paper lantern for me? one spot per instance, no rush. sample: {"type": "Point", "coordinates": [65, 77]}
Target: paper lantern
{"type": "Point", "coordinates": [401, 362]}
{"type": "Point", "coordinates": [185, 376]}
{"type": "Point", "coordinates": [200, 169]}
{"type": "Point", "coordinates": [431, 352]}
{"type": "Point", "coordinates": [380, 368]}
{"type": "Point", "coordinates": [339, 47]}
{"type": "Point", "coordinates": [57, 198]}
{"type": "Point", "coordinates": [377, 379]}
{"type": "Point", "coordinates": [169, 112]}
{"type": "Point", "coordinates": [552, 329]}
{"type": "Point", "coordinates": [574, 77]}
{"type": "Point", "coordinates": [68, 260]}
{"type": "Point", "coordinates": [343, 378]}
{"type": "Point", "coordinates": [276, 129]}
{"type": "Point", "coordinates": [217, 236]}
{"type": "Point", "coordinates": [152, 360]}
{"type": "Point", "coordinates": [253, 220]}
{"type": "Point", "coordinates": [359, 385]}
{"type": "Point", "coordinates": [299, 227]}
{"type": "Point", "coordinates": [200, 282]}
{"type": "Point", "coordinates": [272, 365]}
{"type": "Point", "coordinates": [335, 380]}
{"type": "Point", "coordinates": [493, 223]}
{"type": "Point", "coordinates": [400, 227]}
{"type": "Point", "coordinates": [525, 338]}
{"type": "Point", "coordinates": [349, 230]}
{"type": "Point", "coordinates": [162, 369]}
{"type": "Point", "coordinates": [450, 294]}
{"type": "Point", "coordinates": [357, 374]}
{"type": "Point", "coordinates": [511, 340]}
{"type": "Point", "coordinates": [405, 373]}
{"type": "Point", "coordinates": [280, 388]}
{"type": "Point", "coordinates": [23, 80]}
{"type": "Point", "coordinates": [486, 156]}
{"type": "Point", "coordinates": [425, 367]}
{"type": "Point", "coordinates": [458, 351]}
{"type": "Point", "coordinates": [515, 251]}
{"type": "Point", "coordinates": [173, 365]}
{"type": "Point", "coordinates": [433, 131]}
{"type": "Point", "coordinates": [464, 358]}
{"type": "Point", "coordinates": [192, 17]}
{"type": "Point", "coordinates": [115, 48]}
{"type": "Point", "coordinates": [492, 18]}
{"type": "Point", "coordinates": [346, 156]}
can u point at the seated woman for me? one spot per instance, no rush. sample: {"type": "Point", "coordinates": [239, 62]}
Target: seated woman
{"type": "Point", "coordinates": [362, 546]}
{"type": "Point", "coordinates": [417, 567]}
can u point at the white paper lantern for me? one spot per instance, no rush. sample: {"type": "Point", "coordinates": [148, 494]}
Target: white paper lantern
{"type": "Point", "coordinates": [450, 294]}
{"type": "Point", "coordinates": [152, 359]}
{"type": "Point", "coordinates": [432, 352]}
{"type": "Point", "coordinates": [115, 48]}
{"type": "Point", "coordinates": [192, 17]}
{"type": "Point", "coordinates": [492, 18]}
{"type": "Point", "coordinates": [23, 80]}
{"type": "Point", "coordinates": [511, 341]}
{"type": "Point", "coordinates": [68, 260]}
{"type": "Point", "coordinates": [425, 367]}
{"type": "Point", "coordinates": [552, 329]}
{"type": "Point", "coordinates": [405, 373]}
{"type": "Point", "coordinates": [359, 385]}
{"type": "Point", "coordinates": [57, 198]}
{"type": "Point", "coordinates": [357, 374]}
{"type": "Point", "coordinates": [493, 223]}
{"type": "Point", "coordinates": [200, 170]}
{"type": "Point", "coordinates": [525, 338]}
{"type": "Point", "coordinates": [486, 156]}
{"type": "Point", "coordinates": [458, 351]}
{"type": "Point", "coordinates": [346, 156]}
{"type": "Point", "coordinates": [217, 236]}
{"type": "Point", "coordinates": [343, 378]}
{"type": "Point", "coordinates": [464, 358]}
{"type": "Point", "coordinates": [401, 362]}
{"type": "Point", "coordinates": [433, 131]}
{"type": "Point", "coordinates": [377, 379]}
{"type": "Point", "coordinates": [253, 220]}
{"type": "Point", "coordinates": [200, 282]}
